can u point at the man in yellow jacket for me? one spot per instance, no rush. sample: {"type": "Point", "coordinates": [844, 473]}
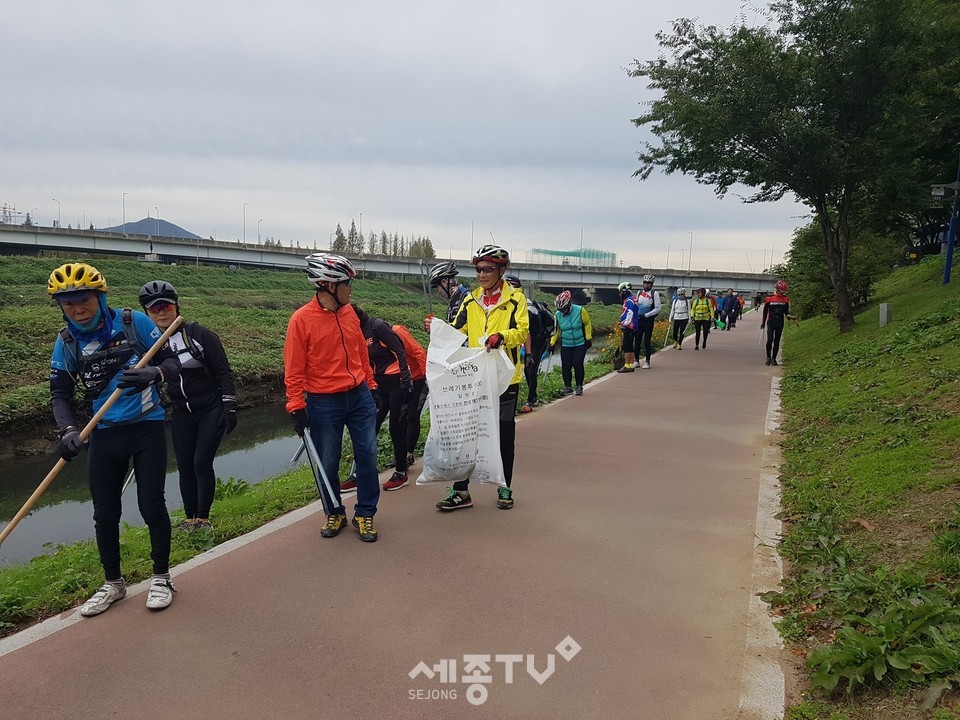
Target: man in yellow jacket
{"type": "Point", "coordinates": [494, 316]}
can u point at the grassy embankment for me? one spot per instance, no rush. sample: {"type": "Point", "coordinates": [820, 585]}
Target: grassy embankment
{"type": "Point", "coordinates": [872, 597]}
{"type": "Point", "coordinates": [249, 310]}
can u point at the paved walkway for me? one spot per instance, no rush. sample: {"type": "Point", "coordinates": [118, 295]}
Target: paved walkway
{"type": "Point", "coordinates": [628, 558]}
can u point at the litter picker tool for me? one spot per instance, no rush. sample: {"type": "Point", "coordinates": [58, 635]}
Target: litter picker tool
{"type": "Point", "coordinates": [85, 433]}
{"type": "Point", "coordinates": [131, 478]}
{"type": "Point", "coordinates": [319, 474]}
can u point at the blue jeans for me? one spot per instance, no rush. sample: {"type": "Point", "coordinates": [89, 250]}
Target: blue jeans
{"type": "Point", "coordinates": [328, 414]}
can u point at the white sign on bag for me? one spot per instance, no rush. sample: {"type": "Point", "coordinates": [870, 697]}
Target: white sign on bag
{"type": "Point", "coordinates": [465, 387]}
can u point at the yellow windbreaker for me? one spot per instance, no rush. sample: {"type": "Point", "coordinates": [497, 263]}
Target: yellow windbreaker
{"type": "Point", "coordinates": [508, 317]}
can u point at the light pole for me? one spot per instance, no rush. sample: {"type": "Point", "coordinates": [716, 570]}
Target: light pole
{"type": "Point", "coordinates": [690, 254]}
{"type": "Point", "coordinates": [258, 230]}
{"type": "Point", "coordinates": [83, 222]}
{"type": "Point", "coordinates": [244, 223]}
{"type": "Point", "coordinates": [771, 254]}
{"type": "Point", "coordinates": [668, 254]}
{"type": "Point", "coordinates": [59, 223]}
{"type": "Point", "coordinates": [360, 228]}
{"type": "Point", "coordinates": [158, 219]}
{"type": "Point", "coordinates": [123, 212]}
{"type": "Point", "coordinates": [682, 254]}
{"type": "Point", "coordinates": [330, 242]}
{"type": "Point", "coordinates": [33, 217]}
{"type": "Point", "coordinates": [764, 259]}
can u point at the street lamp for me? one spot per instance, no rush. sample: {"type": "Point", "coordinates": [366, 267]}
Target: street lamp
{"type": "Point", "coordinates": [668, 254]}
{"type": "Point", "coordinates": [59, 219]}
{"type": "Point", "coordinates": [258, 230]}
{"type": "Point", "coordinates": [33, 217]}
{"type": "Point", "coordinates": [690, 255]}
{"type": "Point", "coordinates": [158, 219]}
{"type": "Point", "coordinates": [123, 211]}
{"type": "Point", "coordinates": [244, 223]}
{"type": "Point", "coordinates": [83, 223]}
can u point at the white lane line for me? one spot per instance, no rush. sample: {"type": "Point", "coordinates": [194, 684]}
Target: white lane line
{"type": "Point", "coordinates": [762, 682]}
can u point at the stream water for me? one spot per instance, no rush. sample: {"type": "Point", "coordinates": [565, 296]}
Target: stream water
{"type": "Point", "coordinates": [260, 447]}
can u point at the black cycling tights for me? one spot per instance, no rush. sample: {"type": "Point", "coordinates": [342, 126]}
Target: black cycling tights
{"type": "Point", "coordinates": [196, 439]}
{"type": "Point", "coordinates": [111, 450]}
{"type": "Point", "coordinates": [774, 332]}
{"type": "Point", "coordinates": [391, 401]}
{"type": "Point", "coordinates": [643, 338]}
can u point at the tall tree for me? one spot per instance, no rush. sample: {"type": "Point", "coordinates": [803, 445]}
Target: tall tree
{"type": "Point", "coordinates": [830, 102]}
{"type": "Point", "coordinates": [339, 241]}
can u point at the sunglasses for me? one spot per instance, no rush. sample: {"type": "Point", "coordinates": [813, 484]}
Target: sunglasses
{"type": "Point", "coordinates": [160, 306]}
{"type": "Point", "coordinates": [485, 270]}
{"type": "Point", "coordinates": [348, 282]}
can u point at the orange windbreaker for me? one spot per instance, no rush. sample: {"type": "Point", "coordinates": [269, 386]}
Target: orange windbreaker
{"type": "Point", "coordinates": [324, 353]}
{"type": "Point", "coordinates": [416, 355]}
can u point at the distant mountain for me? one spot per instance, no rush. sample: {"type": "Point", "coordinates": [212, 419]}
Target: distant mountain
{"type": "Point", "coordinates": [154, 227]}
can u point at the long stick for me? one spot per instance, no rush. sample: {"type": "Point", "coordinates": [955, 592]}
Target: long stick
{"type": "Point", "coordinates": [131, 476]}
{"type": "Point", "coordinates": [85, 433]}
{"type": "Point", "coordinates": [319, 474]}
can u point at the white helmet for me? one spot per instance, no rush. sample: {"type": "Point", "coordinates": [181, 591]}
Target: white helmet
{"type": "Point", "coordinates": [649, 278]}
{"type": "Point", "coordinates": [327, 267]}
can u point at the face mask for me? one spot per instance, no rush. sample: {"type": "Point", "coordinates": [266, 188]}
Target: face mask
{"type": "Point", "coordinates": [92, 323]}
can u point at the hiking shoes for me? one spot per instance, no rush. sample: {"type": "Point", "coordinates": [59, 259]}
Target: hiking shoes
{"type": "Point", "coordinates": [160, 593]}
{"type": "Point", "coordinates": [504, 498]}
{"type": "Point", "coordinates": [626, 369]}
{"type": "Point", "coordinates": [349, 484]}
{"type": "Point", "coordinates": [202, 525]}
{"type": "Point", "coordinates": [567, 391]}
{"type": "Point", "coordinates": [364, 525]}
{"type": "Point", "coordinates": [768, 361]}
{"type": "Point", "coordinates": [773, 362]}
{"type": "Point", "coordinates": [103, 598]}
{"type": "Point", "coordinates": [334, 524]}
{"type": "Point", "coordinates": [454, 500]}
{"type": "Point", "coordinates": [579, 390]}
{"type": "Point", "coordinates": [397, 481]}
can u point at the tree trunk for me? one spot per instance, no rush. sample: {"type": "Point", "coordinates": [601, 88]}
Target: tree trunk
{"type": "Point", "coordinates": [836, 245]}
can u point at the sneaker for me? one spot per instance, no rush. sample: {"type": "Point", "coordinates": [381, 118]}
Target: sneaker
{"type": "Point", "coordinates": [455, 499]}
{"type": "Point", "coordinates": [187, 526]}
{"type": "Point", "coordinates": [679, 346]}
{"type": "Point", "coordinates": [527, 408]}
{"type": "Point", "coordinates": [626, 369]}
{"type": "Point", "coordinates": [773, 362]}
{"type": "Point", "coordinates": [104, 597]}
{"type": "Point", "coordinates": [646, 366]}
{"type": "Point", "coordinates": [160, 594]}
{"type": "Point", "coordinates": [676, 346]}
{"type": "Point", "coordinates": [504, 498]}
{"type": "Point", "coordinates": [364, 525]}
{"type": "Point", "coordinates": [696, 347]}
{"type": "Point", "coordinates": [202, 525]}
{"type": "Point", "coordinates": [349, 484]}
{"type": "Point", "coordinates": [768, 361]}
{"type": "Point", "coordinates": [579, 390]}
{"type": "Point", "coordinates": [566, 391]}
{"type": "Point", "coordinates": [334, 524]}
{"type": "Point", "coordinates": [397, 481]}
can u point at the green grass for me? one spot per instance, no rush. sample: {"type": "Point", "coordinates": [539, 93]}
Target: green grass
{"type": "Point", "coordinates": [869, 481]}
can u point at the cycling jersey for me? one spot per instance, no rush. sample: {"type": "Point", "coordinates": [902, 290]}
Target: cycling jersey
{"type": "Point", "coordinates": [775, 308]}
{"type": "Point", "coordinates": [629, 313]}
{"type": "Point", "coordinates": [205, 378]}
{"type": "Point", "coordinates": [386, 351]}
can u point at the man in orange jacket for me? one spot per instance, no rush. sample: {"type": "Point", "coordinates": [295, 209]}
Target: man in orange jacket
{"type": "Point", "coordinates": [330, 385]}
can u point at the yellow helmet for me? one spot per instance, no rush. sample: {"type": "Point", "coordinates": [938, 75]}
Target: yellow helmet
{"type": "Point", "coordinates": [75, 276]}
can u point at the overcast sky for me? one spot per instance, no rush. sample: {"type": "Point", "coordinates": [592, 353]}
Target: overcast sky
{"type": "Point", "coordinates": [438, 118]}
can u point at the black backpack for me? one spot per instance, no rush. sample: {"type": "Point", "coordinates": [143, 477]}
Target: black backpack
{"type": "Point", "coordinates": [543, 323]}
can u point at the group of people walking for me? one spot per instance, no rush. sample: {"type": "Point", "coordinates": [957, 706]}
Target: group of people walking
{"type": "Point", "coordinates": [97, 354]}
{"type": "Point", "coordinates": [343, 369]}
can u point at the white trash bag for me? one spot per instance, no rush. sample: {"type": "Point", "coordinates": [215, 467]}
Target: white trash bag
{"type": "Point", "coordinates": [465, 388]}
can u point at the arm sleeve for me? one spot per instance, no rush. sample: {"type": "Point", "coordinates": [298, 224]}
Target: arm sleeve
{"type": "Point", "coordinates": [216, 360]}
{"type": "Point", "coordinates": [62, 386]}
{"type": "Point", "coordinates": [555, 338]}
{"type": "Point", "coordinates": [513, 337]}
{"type": "Point", "coordinates": [460, 319]}
{"type": "Point", "coordinates": [295, 363]}
{"type": "Point", "coordinates": [385, 334]}
{"type": "Point", "coordinates": [587, 326]}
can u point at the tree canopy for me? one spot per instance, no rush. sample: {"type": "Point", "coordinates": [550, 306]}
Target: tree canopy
{"type": "Point", "coordinates": [845, 104]}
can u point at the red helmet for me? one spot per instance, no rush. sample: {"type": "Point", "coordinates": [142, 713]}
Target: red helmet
{"type": "Point", "coordinates": [564, 300]}
{"type": "Point", "coordinates": [781, 285]}
{"type": "Point", "coordinates": [493, 253]}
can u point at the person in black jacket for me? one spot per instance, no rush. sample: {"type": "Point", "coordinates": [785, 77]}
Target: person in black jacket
{"type": "Point", "coordinates": [204, 402]}
{"type": "Point", "coordinates": [388, 357]}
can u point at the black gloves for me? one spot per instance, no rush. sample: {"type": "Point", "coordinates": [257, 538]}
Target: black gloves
{"type": "Point", "coordinates": [228, 417]}
{"type": "Point", "coordinates": [406, 393]}
{"type": "Point", "coordinates": [494, 341]}
{"type": "Point", "coordinates": [377, 400]}
{"type": "Point", "coordinates": [589, 344]}
{"type": "Point", "coordinates": [299, 420]}
{"type": "Point", "coordinates": [530, 361]}
{"type": "Point", "coordinates": [140, 378]}
{"type": "Point", "coordinates": [70, 443]}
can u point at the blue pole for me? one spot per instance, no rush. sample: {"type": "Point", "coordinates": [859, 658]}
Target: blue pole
{"type": "Point", "coordinates": [952, 233]}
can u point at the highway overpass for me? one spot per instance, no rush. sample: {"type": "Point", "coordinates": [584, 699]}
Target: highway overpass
{"type": "Point", "coordinates": [598, 282]}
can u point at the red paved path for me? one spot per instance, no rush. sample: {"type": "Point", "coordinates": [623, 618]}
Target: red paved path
{"type": "Point", "coordinates": [633, 533]}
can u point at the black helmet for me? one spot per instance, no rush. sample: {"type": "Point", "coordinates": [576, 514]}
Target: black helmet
{"type": "Point", "coordinates": [513, 281]}
{"type": "Point", "coordinates": [441, 271]}
{"type": "Point", "coordinates": [157, 290]}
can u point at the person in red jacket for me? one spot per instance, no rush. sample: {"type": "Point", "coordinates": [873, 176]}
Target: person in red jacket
{"type": "Point", "coordinates": [330, 384]}
{"type": "Point", "coordinates": [776, 308]}
{"type": "Point", "coordinates": [410, 415]}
